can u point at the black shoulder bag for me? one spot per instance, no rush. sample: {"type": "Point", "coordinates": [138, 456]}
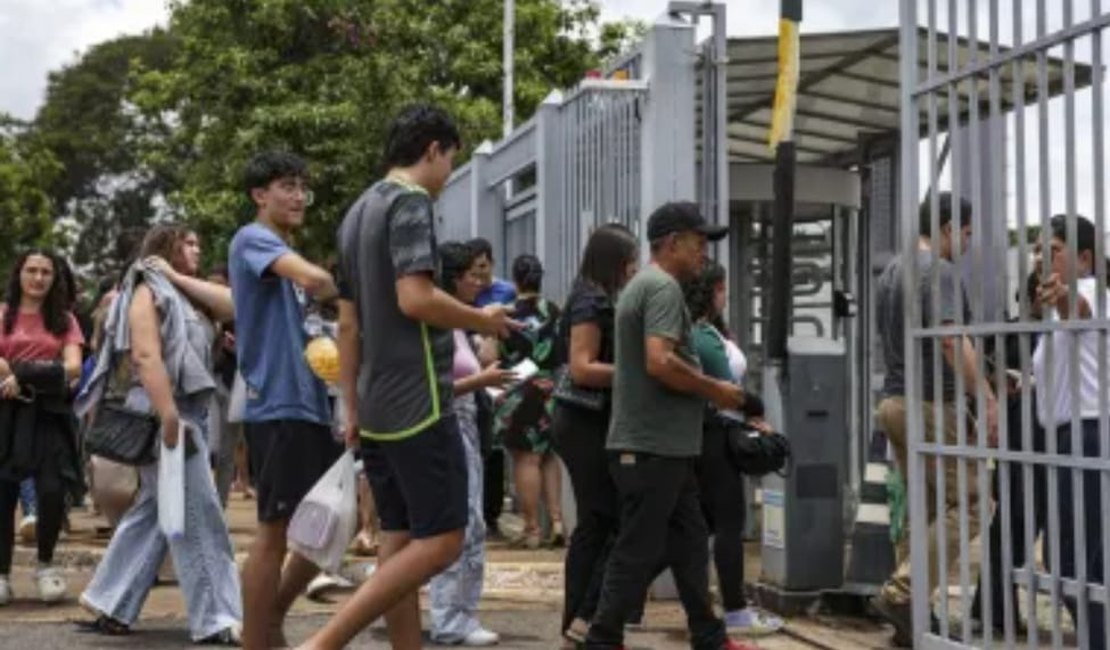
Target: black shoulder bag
{"type": "Point", "coordinates": [119, 433]}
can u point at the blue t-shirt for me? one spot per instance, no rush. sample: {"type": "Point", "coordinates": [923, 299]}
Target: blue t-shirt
{"type": "Point", "coordinates": [269, 320]}
{"type": "Point", "coordinates": [498, 292]}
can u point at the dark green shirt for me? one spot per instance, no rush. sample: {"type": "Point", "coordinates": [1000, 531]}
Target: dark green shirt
{"type": "Point", "coordinates": [648, 416]}
{"type": "Point", "coordinates": [711, 352]}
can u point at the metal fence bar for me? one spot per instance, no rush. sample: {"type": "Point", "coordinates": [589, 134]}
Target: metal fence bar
{"type": "Point", "coordinates": [1002, 469]}
{"type": "Point", "coordinates": [908, 201]}
{"type": "Point", "coordinates": [1049, 343]}
{"type": "Point", "coordinates": [1043, 42]}
{"type": "Point", "coordinates": [956, 174]}
{"type": "Point", "coordinates": [1098, 143]}
{"type": "Point", "coordinates": [1057, 460]}
{"type": "Point", "coordinates": [1077, 510]}
{"type": "Point", "coordinates": [983, 221]}
{"type": "Point", "coordinates": [1069, 587]}
{"type": "Point", "coordinates": [1010, 328]}
{"type": "Point", "coordinates": [1028, 470]}
{"type": "Point", "coordinates": [1065, 459]}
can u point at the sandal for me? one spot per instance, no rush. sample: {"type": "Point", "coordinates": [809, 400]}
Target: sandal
{"type": "Point", "coordinates": [105, 625]}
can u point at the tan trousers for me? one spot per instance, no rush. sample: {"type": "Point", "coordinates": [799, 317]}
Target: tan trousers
{"type": "Point", "coordinates": [892, 419]}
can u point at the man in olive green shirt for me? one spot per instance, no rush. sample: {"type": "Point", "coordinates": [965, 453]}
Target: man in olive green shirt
{"type": "Point", "coordinates": [659, 396]}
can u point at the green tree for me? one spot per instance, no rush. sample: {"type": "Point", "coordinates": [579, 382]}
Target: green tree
{"type": "Point", "coordinates": [95, 132]}
{"type": "Point", "coordinates": [323, 77]}
{"type": "Point", "coordinates": [26, 171]}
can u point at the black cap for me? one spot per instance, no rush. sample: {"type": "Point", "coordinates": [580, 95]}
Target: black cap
{"type": "Point", "coordinates": [681, 216]}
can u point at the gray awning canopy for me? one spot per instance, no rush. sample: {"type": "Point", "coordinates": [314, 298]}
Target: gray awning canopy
{"type": "Point", "coordinates": [848, 90]}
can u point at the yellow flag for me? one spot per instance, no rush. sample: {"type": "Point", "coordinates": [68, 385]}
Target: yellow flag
{"type": "Point", "coordinates": [786, 89]}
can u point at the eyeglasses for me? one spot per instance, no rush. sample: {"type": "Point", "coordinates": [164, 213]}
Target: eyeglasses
{"type": "Point", "coordinates": [292, 187]}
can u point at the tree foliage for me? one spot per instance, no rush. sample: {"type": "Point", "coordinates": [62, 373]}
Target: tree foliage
{"type": "Point", "coordinates": [89, 124]}
{"type": "Point", "coordinates": [159, 125]}
{"type": "Point", "coordinates": [26, 170]}
{"type": "Point", "coordinates": [323, 77]}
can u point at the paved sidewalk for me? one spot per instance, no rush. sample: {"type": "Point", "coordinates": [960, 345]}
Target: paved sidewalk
{"type": "Point", "coordinates": [522, 599]}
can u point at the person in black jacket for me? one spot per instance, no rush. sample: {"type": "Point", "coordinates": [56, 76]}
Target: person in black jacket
{"type": "Point", "coordinates": [40, 362]}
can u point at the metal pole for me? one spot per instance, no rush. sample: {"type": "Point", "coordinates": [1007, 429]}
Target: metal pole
{"type": "Point", "coordinates": [780, 301]}
{"type": "Point", "coordinates": [507, 98]}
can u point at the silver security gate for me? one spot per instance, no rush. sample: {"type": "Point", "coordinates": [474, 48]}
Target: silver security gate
{"type": "Point", "coordinates": [1034, 69]}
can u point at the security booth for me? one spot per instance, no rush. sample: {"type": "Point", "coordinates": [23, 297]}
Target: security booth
{"type": "Point", "coordinates": [828, 400]}
{"type": "Point", "coordinates": [675, 119]}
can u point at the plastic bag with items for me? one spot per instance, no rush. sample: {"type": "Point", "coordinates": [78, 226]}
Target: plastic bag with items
{"type": "Point", "coordinates": [327, 519]}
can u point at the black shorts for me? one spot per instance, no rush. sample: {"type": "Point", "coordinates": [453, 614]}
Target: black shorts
{"type": "Point", "coordinates": [287, 457]}
{"type": "Point", "coordinates": [419, 483]}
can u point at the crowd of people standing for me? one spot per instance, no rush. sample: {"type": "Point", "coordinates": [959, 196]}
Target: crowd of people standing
{"type": "Point", "coordinates": [444, 371]}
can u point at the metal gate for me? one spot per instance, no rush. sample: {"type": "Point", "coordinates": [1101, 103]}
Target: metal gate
{"type": "Point", "coordinates": [1044, 536]}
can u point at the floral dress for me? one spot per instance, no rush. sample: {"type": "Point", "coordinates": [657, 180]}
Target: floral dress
{"type": "Point", "coordinates": [522, 420]}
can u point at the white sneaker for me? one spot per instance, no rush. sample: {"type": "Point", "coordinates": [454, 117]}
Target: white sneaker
{"type": "Point", "coordinates": [27, 528]}
{"type": "Point", "coordinates": [52, 585]}
{"type": "Point", "coordinates": [5, 590]}
{"type": "Point", "coordinates": [481, 637]}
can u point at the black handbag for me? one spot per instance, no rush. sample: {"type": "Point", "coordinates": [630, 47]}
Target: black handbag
{"type": "Point", "coordinates": [567, 392]}
{"type": "Point", "coordinates": [45, 378]}
{"type": "Point", "coordinates": [755, 453]}
{"type": "Point", "coordinates": [123, 435]}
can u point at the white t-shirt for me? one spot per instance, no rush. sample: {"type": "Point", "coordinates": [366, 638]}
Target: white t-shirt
{"type": "Point", "coordinates": [737, 362]}
{"type": "Point", "coordinates": [1055, 408]}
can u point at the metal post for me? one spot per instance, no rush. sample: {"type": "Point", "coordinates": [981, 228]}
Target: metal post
{"type": "Point", "coordinates": [907, 196]}
{"type": "Point", "coordinates": [781, 298]}
{"type": "Point", "coordinates": [667, 134]}
{"type": "Point", "coordinates": [509, 45]}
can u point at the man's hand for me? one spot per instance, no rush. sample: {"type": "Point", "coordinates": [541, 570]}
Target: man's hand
{"type": "Point", "coordinates": [727, 396]}
{"type": "Point", "coordinates": [498, 322]}
{"type": "Point", "coordinates": [351, 436]}
{"type": "Point", "coordinates": [171, 429]}
{"type": "Point", "coordinates": [5, 369]}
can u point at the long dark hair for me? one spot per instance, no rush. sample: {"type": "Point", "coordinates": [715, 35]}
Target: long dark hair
{"type": "Point", "coordinates": [700, 290]}
{"type": "Point", "coordinates": [455, 259]}
{"type": "Point", "coordinates": [609, 251]}
{"type": "Point", "coordinates": [528, 273]}
{"type": "Point", "coordinates": [164, 240]}
{"type": "Point", "coordinates": [55, 306]}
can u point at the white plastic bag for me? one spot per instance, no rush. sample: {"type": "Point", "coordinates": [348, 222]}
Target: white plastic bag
{"type": "Point", "coordinates": [171, 485]}
{"type": "Point", "coordinates": [326, 520]}
{"type": "Point", "coordinates": [237, 400]}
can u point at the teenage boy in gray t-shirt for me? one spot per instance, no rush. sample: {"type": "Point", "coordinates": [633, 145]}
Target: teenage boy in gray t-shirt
{"type": "Point", "coordinates": [396, 352]}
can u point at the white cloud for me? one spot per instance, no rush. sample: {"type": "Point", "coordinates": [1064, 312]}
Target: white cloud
{"type": "Point", "coordinates": [38, 36]}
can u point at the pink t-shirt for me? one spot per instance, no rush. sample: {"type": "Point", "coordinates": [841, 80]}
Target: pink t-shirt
{"type": "Point", "coordinates": [466, 362]}
{"type": "Point", "coordinates": [31, 341]}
